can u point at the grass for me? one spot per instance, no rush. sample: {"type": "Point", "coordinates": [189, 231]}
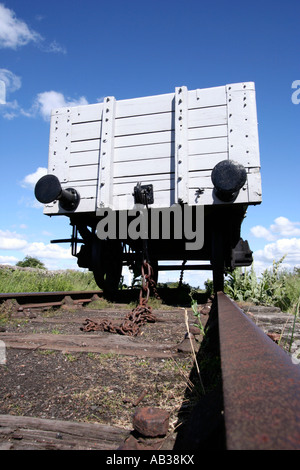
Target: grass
{"type": "Point", "coordinates": [40, 280]}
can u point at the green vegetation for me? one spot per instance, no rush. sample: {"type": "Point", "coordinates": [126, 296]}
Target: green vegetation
{"type": "Point", "coordinates": [30, 262]}
{"type": "Point", "coordinates": [194, 306]}
{"type": "Point", "coordinates": [276, 286]}
{"type": "Point", "coordinates": [41, 280]}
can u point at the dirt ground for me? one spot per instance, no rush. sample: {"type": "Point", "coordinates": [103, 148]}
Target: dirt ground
{"type": "Point", "coordinates": [98, 387]}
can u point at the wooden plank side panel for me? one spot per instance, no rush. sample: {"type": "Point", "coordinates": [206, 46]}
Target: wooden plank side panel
{"type": "Point", "coordinates": [219, 126]}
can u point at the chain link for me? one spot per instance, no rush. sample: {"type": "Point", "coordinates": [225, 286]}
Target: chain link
{"type": "Point", "coordinates": [140, 315]}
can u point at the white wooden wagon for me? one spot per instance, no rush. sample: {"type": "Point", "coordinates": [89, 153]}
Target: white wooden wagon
{"type": "Point", "coordinates": [190, 149]}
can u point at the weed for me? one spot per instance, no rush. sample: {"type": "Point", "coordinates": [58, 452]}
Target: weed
{"type": "Point", "coordinates": [194, 306]}
{"type": "Point", "coordinates": [70, 357]}
{"type": "Point", "coordinates": [270, 289]}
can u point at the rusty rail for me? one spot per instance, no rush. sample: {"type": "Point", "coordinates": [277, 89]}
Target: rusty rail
{"type": "Point", "coordinates": [261, 385]}
{"type": "Point", "coordinates": [41, 299]}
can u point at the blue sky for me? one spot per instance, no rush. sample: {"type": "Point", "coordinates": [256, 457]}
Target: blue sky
{"type": "Point", "coordinates": [81, 51]}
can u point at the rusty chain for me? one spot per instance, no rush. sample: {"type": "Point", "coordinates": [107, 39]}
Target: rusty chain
{"type": "Point", "coordinates": [140, 315]}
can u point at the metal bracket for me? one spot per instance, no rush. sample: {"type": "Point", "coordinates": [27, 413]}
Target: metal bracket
{"type": "Point", "coordinates": [143, 194]}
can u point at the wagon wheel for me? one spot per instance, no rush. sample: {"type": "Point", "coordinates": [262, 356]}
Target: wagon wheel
{"type": "Point", "coordinates": [107, 264]}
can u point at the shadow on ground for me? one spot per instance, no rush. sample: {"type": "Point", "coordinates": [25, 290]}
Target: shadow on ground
{"type": "Point", "coordinates": [203, 427]}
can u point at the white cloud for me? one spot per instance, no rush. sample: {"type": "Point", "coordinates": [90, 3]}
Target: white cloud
{"type": "Point", "coordinates": [49, 100]}
{"type": "Point", "coordinates": [42, 251]}
{"type": "Point", "coordinates": [11, 241]}
{"type": "Point", "coordinates": [285, 228]}
{"type": "Point", "coordinates": [53, 256]}
{"type": "Point", "coordinates": [31, 179]}
{"type": "Point", "coordinates": [8, 260]}
{"type": "Point", "coordinates": [261, 232]}
{"type": "Point", "coordinates": [282, 227]}
{"type": "Point", "coordinates": [288, 247]}
{"type": "Point", "coordinates": [284, 235]}
{"type": "Point", "coordinates": [13, 31]}
{"type": "Point", "coordinates": [55, 47]}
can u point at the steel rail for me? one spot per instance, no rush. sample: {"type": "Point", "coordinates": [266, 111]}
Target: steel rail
{"type": "Point", "coordinates": [36, 299]}
{"type": "Point", "coordinates": [261, 385]}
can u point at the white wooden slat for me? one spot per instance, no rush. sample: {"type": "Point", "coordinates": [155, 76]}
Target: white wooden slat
{"type": "Point", "coordinates": [207, 116]}
{"type": "Point", "coordinates": [142, 152]}
{"type": "Point", "coordinates": [86, 131]}
{"type": "Point", "coordinates": [206, 146]}
{"type": "Point", "coordinates": [141, 124]}
{"type": "Point", "coordinates": [84, 158]}
{"type": "Point", "coordinates": [86, 113]}
{"type": "Point", "coordinates": [145, 105]}
{"type": "Point", "coordinates": [145, 167]}
{"type": "Point", "coordinates": [194, 174]}
{"type": "Point", "coordinates": [206, 97]}
{"type": "Point", "coordinates": [83, 173]}
{"type": "Point", "coordinates": [144, 139]}
{"type": "Point", "coordinates": [207, 132]}
{"type": "Point", "coordinates": [207, 161]}
{"type": "Point", "coordinates": [145, 179]}
{"type": "Point", "coordinates": [84, 145]}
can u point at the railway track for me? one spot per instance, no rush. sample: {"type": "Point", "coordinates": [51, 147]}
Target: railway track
{"type": "Point", "coordinates": [248, 400]}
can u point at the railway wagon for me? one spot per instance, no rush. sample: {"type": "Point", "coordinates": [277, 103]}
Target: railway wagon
{"type": "Point", "coordinates": [167, 177]}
